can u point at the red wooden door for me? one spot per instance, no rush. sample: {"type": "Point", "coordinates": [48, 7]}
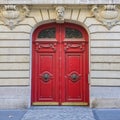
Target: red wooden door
{"type": "Point", "coordinates": [60, 65]}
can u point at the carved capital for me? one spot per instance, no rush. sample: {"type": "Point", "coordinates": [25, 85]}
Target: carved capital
{"type": "Point", "coordinates": [108, 15]}
{"type": "Point", "coordinates": [11, 15]}
{"type": "Point", "coordinates": [60, 11]}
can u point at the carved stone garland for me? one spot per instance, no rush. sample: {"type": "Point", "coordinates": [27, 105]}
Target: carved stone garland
{"type": "Point", "coordinates": [109, 15]}
{"type": "Point", "coordinates": [11, 15]}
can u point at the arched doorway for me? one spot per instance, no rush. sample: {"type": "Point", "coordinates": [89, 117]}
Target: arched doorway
{"type": "Point", "coordinates": [60, 65]}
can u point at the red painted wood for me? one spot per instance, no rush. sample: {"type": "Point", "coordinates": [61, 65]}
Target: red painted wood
{"type": "Point", "coordinates": [60, 58]}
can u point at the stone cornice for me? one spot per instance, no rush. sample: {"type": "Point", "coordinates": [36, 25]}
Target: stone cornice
{"type": "Point", "coordinates": [59, 2]}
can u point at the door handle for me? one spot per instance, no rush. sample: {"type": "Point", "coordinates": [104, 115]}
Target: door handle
{"type": "Point", "coordinates": [46, 76]}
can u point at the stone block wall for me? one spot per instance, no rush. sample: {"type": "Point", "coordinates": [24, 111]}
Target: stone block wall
{"type": "Point", "coordinates": [15, 56]}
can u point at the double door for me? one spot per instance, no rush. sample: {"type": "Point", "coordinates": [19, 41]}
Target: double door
{"type": "Point", "coordinates": [60, 65]}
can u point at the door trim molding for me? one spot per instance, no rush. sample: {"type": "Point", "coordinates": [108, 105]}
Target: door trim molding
{"type": "Point", "coordinates": [56, 103]}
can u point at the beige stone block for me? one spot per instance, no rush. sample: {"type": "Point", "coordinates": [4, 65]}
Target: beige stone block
{"type": "Point", "coordinates": [97, 28]}
{"type": "Point", "coordinates": [52, 13]}
{"type": "Point", "coordinates": [105, 82]}
{"type": "Point", "coordinates": [84, 13]}
{"type": "Point", "coordinates": [116, 28]}
{"type": "Point", "coordinates": [13, 58]}
{"type": "Point", "coordinates": [28, 21]}
{"type": "Point", "coordinates": [35, 13]}
{"type": "Point", "coordinates": [14, 82]}
{"type": "Point", "coordinates": [14, 97]}
{"type": "Point", "coordinates": [1, 23]}
{"type": "Point", "coordinates": [14, 74]}
{"type": "Point", "coordinates": [105, 36]}
{"type": "Point", "coordinates": [90, 21]}
{"type": "Point", "coordinates": [102, 59]}
{"type": "Point", "coordinates": [13, 43]}
{"type": "Point", "coordinates": [75, 14]}
{"type": "Point", "coordinates": [18, 28]}
{"type": "Point", "coordinates": [14, 92]}
{"type": "Point", "coordinates": [101, 28]}
{"type": "Point", "coordinates": [45, 14]}
{"type": "Point", "coordinates": [23, 28]}
{"type": "Point", "coordinates": [105, 103]}
{"type": "Point", "coordinates": [10, 51]}
{"type": "Point", "coordinates": [14, 66]}
{"type": "Point", "coordinates": [106, 44]}
{"type": "Point", "coordinates": [105, 74]}
{"type": "Point", "coordinates": [68, 13]}
{"type": "Point", "coordinates": [105, 66]}
{"type": "Point", "coordinates": [105, 51]}
{"type": "Point", "coordinates": [14, 103]}
{"type": "Point", "coordinates": [14, 35]}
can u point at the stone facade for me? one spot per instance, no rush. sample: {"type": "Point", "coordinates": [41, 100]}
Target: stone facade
{"type": "Point", "coordinates": [15, 51]}
{"type": "Point", "coordinates": [59, 2]}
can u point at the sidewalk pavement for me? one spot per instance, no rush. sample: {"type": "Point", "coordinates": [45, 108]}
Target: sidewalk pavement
{"type": "Point", "coordinates": [12, 114]}
{"type": "Point", "coordinates": [106, 114]}
{"type": "Point", "coordinates": [60, 113]}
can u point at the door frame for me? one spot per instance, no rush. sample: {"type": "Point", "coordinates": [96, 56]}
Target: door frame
{"type": "Point", "coordinates": [87, 31]}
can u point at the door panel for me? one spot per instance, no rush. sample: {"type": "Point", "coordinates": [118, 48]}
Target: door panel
{"type": "Point", "coordinates": [73, 77]}
{"type": "Point", "coordinates": [60, 65]}
{"type": "Point", "coordinates": [46, 77]}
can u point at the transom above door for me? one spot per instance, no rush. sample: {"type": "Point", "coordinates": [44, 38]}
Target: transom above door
{"type": "Point", "coordinates": [60, 65]}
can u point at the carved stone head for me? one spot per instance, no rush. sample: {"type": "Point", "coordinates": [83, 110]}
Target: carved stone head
{"type": "Point", "coordinates": [60, 14]}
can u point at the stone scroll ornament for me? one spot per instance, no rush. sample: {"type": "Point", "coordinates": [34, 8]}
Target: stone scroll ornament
{"type": "Point", "coordinates": [11, 15]}
{"type": "Point", "coordinates": [108, 15]}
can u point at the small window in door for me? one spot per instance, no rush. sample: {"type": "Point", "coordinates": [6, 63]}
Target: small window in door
{"type": "Point", "coordinates": [72, 33]}
{"type": "Point", "coordinates": [47, 33]}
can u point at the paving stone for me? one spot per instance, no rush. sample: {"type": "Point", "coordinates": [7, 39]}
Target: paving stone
{"type": "Point", "coordinates": [59, 113]}
{"type": "Point", "coordinates": [12, 114]}
{"type": "Point", "coordinates": [107, 114]}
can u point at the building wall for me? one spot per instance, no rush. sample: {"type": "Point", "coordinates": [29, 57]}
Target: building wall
{"type": "Point", "coordinates": [59, 2]}
{"type": "Point", "coordinates": [15, 57]}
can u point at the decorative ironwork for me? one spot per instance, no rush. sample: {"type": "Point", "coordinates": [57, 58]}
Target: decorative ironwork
{"type": "Point", "coordinates": [47, 33]}
{"type": "Point", "coordinates": [74, 76]}
{"type": "Point", "coordinates": [46, 76]}
{"type": "Point", "coordinates": [72, 33]}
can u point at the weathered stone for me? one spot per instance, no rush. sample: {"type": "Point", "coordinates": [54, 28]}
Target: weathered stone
{"type": "Point", "coordinates": [59, 2]}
